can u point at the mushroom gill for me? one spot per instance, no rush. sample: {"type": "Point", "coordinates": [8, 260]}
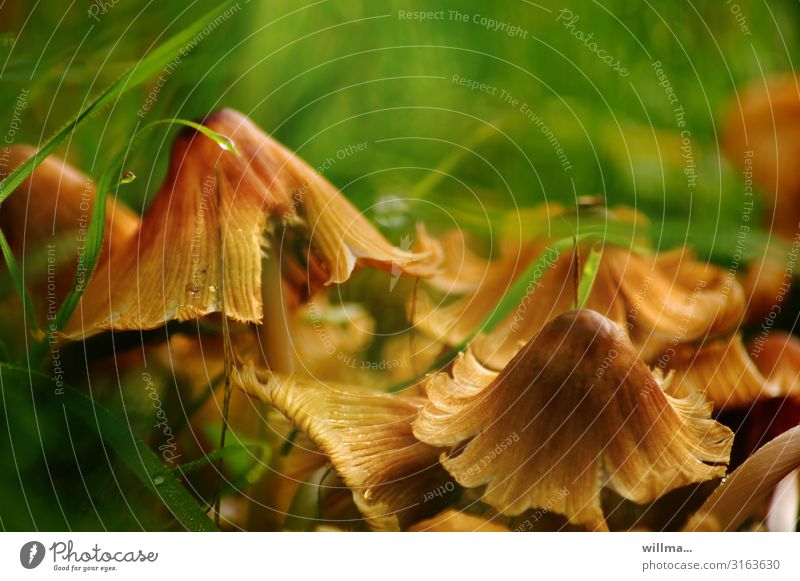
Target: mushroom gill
{"type": "Point", "coordinates": [395, 479]}
{"type": "Point", "coordinates": [463, 271]}
{"type": "Point", "coordinates": [452, 323]}
{"type": "Point", "coordinates": [574, 411]}
{"type": "Point", "coordinates": [200, 244]}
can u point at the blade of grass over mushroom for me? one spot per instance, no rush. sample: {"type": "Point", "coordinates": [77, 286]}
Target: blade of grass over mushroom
{"type": "Point", "coordinates": [96, 229]}
{"type": "Point", "coordinates": [118, 436]}
{"type": "Point", "coordinates": [226, 338]}
{"type": "Point", "coordinates": [140, 72]}
{"type": "Point", "coordinates": [289, 443]}
{"type": "Point", "coordinates": [589, 273]}
{"type": "Point", "coordinates": [631, 230]}
{"type": "Point", "coordinates": [515, 293]}
{"type": "Point", "coordinates": [19, 284]}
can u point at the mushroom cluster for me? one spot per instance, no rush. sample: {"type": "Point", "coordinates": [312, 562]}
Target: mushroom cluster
{"type": "Point", "coordinates": [567, 411]}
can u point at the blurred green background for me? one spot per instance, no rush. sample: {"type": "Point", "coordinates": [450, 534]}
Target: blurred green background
{"type": "Point", "coordinates": [324, 77]}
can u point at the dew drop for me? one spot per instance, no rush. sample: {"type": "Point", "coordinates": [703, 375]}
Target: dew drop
{"type": "Point", "coordinates": [226, 144]}
{"type": "Point", "coordinates": [127, 177]}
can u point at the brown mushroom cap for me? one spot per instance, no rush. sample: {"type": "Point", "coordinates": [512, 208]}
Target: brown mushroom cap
{"type": "Point", "coordinates": [395, 479]}
{"type": "Point", "coordinates": [762, 135]}
{"type": "Point", "coordinates": [204, 235]}
{"type": "Point", "coordinates": [49, 214]}
{"type": "Point", "coordinates": [575, 410]}
{"type": "Point", "coordinates": [777, 356]}
{"type": "Point", "coordinates": [723, 371]}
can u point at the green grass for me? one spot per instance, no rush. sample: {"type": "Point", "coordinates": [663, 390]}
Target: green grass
{"type": "Point", "coordinates": [326, 76]}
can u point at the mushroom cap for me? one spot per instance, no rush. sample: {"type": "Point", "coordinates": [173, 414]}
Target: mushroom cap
{"type": "Point", "coordinates": [762, 135]}
{"type": "Point", "coordinates": [367, 435]}
{"type": "Point", "coordinates": [663, 300]}
{"type": "Point", "coordinates": [200, 245]}
{"type": "Point", "coordinates": [575, 410]}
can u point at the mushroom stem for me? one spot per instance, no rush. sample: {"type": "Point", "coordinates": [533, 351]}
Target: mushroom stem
{"type": "Point", "coordinates": [276, 341]}
{"type": "Point", "coordinates": [733, 501]}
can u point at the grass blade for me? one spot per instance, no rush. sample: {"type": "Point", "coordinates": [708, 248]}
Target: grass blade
{"type": "Point", "coordinates": [19, 284]}
{"type": "Point", "coordinates": [513, 297]}
{"type": "Point", "coordinates": [141, 71]}
{"type": "Point", "coordinates": [588, 274]}
{"type": "Point", "coordinates": [521, 287]}
{"type": "Point", "coordinates": [117, 435]}
{"type": "Point", "coordinates": [210, 458]}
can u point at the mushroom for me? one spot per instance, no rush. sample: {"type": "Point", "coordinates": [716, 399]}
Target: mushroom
{"type": "Point", "coordinates": [367, 436]}
{"type": "Point", "coordinates": [762, 136]}
{"type": "Point", "coordinates": [733, 378]}
{"type": "Point", "coordinates": [574, 411]}
{"type": "Point", "coordinates": [664, 300]}
{"type": "Point", "coordinates": [767, 281]}
{"type": "Point", "coordinates": [49, 214]}
{"type": "Point", "coordinates": [199, 250]}
{"type": "Point", "coordinates": [749, 485]}
{"type": "Point", "coordinates": [723, 371]}
{"type": "Point", "coordinates": [200, 245]}
{"type": "Point", "coordinates": [777, 356]}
